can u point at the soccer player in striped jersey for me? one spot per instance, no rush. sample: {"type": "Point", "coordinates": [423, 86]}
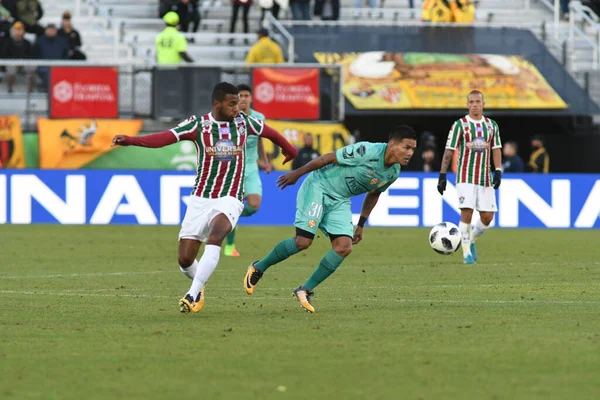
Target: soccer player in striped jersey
{"type": "Point", "coordinates": [477, 140]}
{"type": "Point", "coordinates": [255, 153]}
{"type": "Point", "coordinates": [216, 202]}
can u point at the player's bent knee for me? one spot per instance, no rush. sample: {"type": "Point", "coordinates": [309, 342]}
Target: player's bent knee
{"type": "Point", "coordinates": [487, 219]}
{"type": "Point", "coordinates": [303, 243]}
{"type": "Point", "coordinates": [185, 261]}
{"type": "Point", "coordinates": [343, 250]}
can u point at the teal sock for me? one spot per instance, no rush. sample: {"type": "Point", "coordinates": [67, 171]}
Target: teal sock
{"type": "Point", "coordinates": [248, 210]}
{"type": "Point", "coordinates": [280, 252]}
{"type": "Point", "coordinates": [327, 266]}
{"type": "Point", "coordinates": [231, 237]}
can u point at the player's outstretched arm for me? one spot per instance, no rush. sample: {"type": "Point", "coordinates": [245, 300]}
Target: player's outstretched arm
{"type": "Point", "coordinates": [292, 177]}
{"type": "Point", "coordinates": [289, 150]}
{"type": "Point", "coordinates": [154, 140]}
{"type": "Point", "coordinates": [368, 204]}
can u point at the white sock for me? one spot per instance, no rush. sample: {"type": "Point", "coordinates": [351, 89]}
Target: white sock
{"type": "Point", "coordinates": [466, 237]}
{"type": "Point", "coordinates": [206, 266]}
{"type": "Point", "coordinates": [190, 271]}
{"type": "Point", "coordinates": [478, 230]}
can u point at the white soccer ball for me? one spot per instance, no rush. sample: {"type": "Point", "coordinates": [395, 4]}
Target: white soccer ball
{"type": "Point", "coordinates": [445, 238]}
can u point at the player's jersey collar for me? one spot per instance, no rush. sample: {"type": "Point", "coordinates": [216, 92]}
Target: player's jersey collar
{"type": "Point", "coordinates": [212, 119]}
{"type": "Point", "coordinates": [476, 121]}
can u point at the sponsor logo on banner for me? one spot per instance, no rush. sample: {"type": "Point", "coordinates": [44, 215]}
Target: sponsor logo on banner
{"type": "Point", "coordinates": [84, 92]}
{"type": "Point", "coordinates": [326, 138]}
{"type": "Point", "coordinates": [12, 153]}
{"type": "Point", "coordinates": [160, 198]}
{"type": "Point", "coordinates": [286, 93]}
{"type": "Point", "coordinates": [439, 80]}
{"type": "Point", "coordinates": [73, 143]}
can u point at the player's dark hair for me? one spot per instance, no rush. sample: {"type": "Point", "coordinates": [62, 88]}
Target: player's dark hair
{"type": "Point", "coordinates": [244, 88]}
{"type": "Point", "coordinates": [475, 92]}
{"type": "Point", "coordinates": [402, 132]}
{"type": "Point", "coordinates": [221, 90]}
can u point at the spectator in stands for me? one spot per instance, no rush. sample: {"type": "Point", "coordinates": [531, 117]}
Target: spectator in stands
{"type": "Point", "coordinates": [19, 48]}
{"type": "Point", "coordinates": [6, 20]}
{"type": "Point", "coordinates": [188, 12]}
{"type": "Point", "coordinates": [564, 8]}
{"type": "Point", "coordinates": [539, 161]}
{"type": "Point", "coordinates": [29, 12]}
{"type": "Point", "coordinates": [306, 154]}
{"type": "Point", "coordinates": [245, 5]}
{"type": "Point", "coordinates": [512, 162]}
{"type": "Point", "coordinates": [71, 35]}
{"type": "Point", "coordinates": [50, 47]}
{"type": "Point", "coordinates": [171, 45]}
{"type": "Point", "coordinates": [425, 157]}
{"type": "Point", "coordinates": [273, 6]}
{"type": "Point", "coordinates": [301, 10]}
{"type": "Point", "coordinates": [328, 10]}
{"type": "Point", "coordinates": [265, 51]}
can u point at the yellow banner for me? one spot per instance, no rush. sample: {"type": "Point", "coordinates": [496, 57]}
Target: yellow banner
{"type": "Point", "coordinates": [326, 138]}
{"type": "Point", "coordinates": [12, 154]}
{"type": "Point", "coordinates": [379, 80]}
{"type": "Point", "coordinates": [72, 143]}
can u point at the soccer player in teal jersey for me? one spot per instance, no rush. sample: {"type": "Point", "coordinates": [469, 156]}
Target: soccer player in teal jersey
{"type": "Point", "coordinates": [323, 201]}
{"type": "Point", "coordinates": [252, 183]}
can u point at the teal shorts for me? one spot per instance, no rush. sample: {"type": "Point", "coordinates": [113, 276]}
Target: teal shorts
{"type": "Point", "coordinates": [316, 209]}
{"type": "Point", "coordinates": [252, 183]}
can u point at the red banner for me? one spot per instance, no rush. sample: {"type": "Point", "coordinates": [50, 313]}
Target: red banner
{"type": "Point", "coordinates": [284, 93]}
{"type": "Point", "coordinates": [84, 92]}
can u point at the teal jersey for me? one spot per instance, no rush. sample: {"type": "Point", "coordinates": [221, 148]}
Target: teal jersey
{"type": "Point", "coordinates": [360, 168]}
{"type": "Point", "coordinates": [252, 145]}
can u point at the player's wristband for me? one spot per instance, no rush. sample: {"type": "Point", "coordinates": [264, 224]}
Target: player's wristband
{"type": "Point", "coordinates": [361, 221]}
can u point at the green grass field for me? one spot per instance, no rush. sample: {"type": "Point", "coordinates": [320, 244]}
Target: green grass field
{"type": "Point", "coordinates": [91, 313]}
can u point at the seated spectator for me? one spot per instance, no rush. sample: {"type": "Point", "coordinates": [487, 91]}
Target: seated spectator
{"type": "Point", "coordinates": [19, 48]}
{"type": "Point", "coordinates": [188, 12]}
{"type": "Point", "coordinates": [265, 51]}
{"type": "Point", "coordinates": [71, 35]}
{"type": "Point", "coordinates": [29, 12]}
{"type": "Point", "coordinates": [512, 162]}
{"type": "Point", "coordinates": [50, 46]}
{"type": "Point", "coordinates": [539, 161]}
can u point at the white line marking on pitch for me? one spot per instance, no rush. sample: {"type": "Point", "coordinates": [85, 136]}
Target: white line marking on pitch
{"type": "Point", "coordinates": [80, 275]}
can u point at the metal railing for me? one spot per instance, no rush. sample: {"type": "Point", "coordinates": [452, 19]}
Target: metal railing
{"type": "Point", "coordinates": [581, 20]}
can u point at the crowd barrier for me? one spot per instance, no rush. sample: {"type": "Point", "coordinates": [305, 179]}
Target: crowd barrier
{"type": "Point", "coordinates": [101, 197]}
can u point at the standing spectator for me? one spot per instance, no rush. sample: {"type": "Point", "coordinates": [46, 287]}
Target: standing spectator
{"type": "Point", "coordinates": [71, 35]}
{"type": "Point", "coordinates": [301, 10]}
{"type": "Point", "coordinates": [188, 12]}
{"type": "Point", "coordinates": [306, 154]}
{"type": "Point", "coordinates": [430, 160]}
{"type": "Point", "coordinates": [540, 160]}
{"type": "Point", "coordinates": [265, 51]}
{"type": "Point", "coordinates": [564, 9]}
{"type": "Point", "coordinates": [245, 5]}
{"type": "Point", "coordinates": [6, 20]}
{"type": "Point", "coordinates": [328, 10]}
{"type": "Point", "coordinates": [273, 6]}
{"type": "Point", "coordinates": [19, 48]}
{"type": "Point", "coordinates": [50, 47]}
{"type": "Point", "coordinates": [512, 162]}
{"type": "Point", "coordinates": [29, 12]}
{"type": "Point", "coordinates": [171, 45]}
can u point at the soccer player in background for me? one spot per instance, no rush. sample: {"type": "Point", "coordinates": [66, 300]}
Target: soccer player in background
{"type": "Point", "coordinates": [252, 183]}
{"type": "Point", "coordinates": [476, 138]}
{"type": "Point", "coordinates": [323, 201]}
{"type": "Point", "coordinates": [216, 201]}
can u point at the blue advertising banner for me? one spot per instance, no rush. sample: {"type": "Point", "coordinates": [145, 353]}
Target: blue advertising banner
{"type": "Point", "coordinates": [100, 197]}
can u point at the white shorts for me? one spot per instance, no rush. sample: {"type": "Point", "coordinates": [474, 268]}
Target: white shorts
{"type": "Point", "coordinates": [476, 197]}
{"type": "Point", "coordinates": [200, 212]}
